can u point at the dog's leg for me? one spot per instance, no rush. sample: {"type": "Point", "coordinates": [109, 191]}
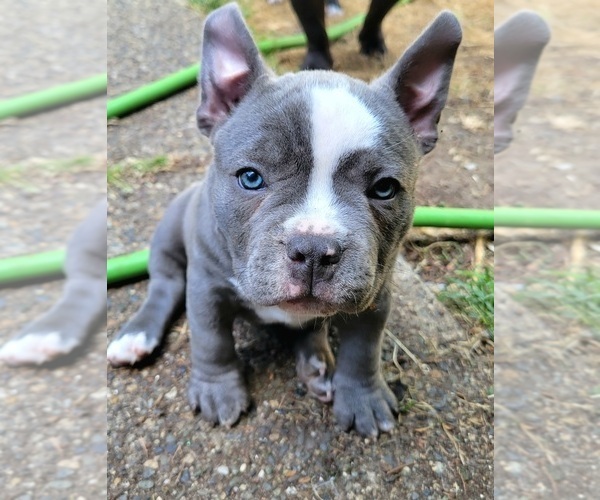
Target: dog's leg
{"type": "Point", "coordinates": [167, 264]}
{"type": "Point", "coordinates": [82, 307]}
{"type": "Point", "coordinates": [217, 387]}
{"type": "Point", "coordinates": [315, 362]}
{"type": "Point", "coordinates": [362, 399]}
{"type": "Point", "coordinates": [311, 14]}
{"type": "Point", "coordinates": [371, 36]}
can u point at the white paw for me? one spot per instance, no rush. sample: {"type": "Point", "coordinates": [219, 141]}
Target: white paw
{"type": "Point", "coordinates": [35, 348]}
{"type": "Point", "coordinates": [129, 349]}
{"type": "Point", "coordinates": [315, 374]}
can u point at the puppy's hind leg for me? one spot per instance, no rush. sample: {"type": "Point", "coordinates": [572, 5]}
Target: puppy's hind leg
{"type": "Point", "coordinates": [166, 291]}
{"type": "Point", "coordinates": [315, 362]}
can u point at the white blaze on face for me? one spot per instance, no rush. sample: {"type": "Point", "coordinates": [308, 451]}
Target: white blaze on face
{"type": "Point", "coordinates": [340, 124]}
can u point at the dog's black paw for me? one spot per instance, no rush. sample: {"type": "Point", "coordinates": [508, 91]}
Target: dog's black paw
{"type": "Point", "coordinates": [219, 401]}
{"type": "Point", "coordinates": [372, 43]}
{"type": "Point", "coordinates": [367, 408]}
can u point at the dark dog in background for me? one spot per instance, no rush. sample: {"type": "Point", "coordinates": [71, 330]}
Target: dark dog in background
{"type": "Point", "coordinates": [311, 14]}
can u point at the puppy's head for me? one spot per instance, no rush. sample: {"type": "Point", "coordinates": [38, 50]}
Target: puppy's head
{"type": "Point", "coordinates": [314, 173]}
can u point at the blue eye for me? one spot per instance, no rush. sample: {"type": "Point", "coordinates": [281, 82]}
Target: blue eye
{"type": "Point", "coordinates": [384, 189]}
{"type": "Point", "coordinates": [250, 179]}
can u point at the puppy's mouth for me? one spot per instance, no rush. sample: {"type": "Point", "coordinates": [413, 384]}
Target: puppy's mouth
{"type": "Point", "coordinates": [308, 305]}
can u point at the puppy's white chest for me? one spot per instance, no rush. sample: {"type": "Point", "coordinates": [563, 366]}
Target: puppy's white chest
{"type": "Point", "coordinates": [275, 314]}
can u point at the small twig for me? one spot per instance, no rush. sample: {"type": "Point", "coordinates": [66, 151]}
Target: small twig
{"type": "Point", "coordinates": [462, 397]}
{"type": "Point", "coordinates": [142, 443]}
{"type": "Point", "coordinates": [479, 251]}
{"type": "Point", "coordinates": [443, 424]}
{"type": "Point", "coordinates": [578, 252]}
{"type": "Point", "coordinates": [395, 359]}
{"type": "Point", "coordinates": [422, 366]}
{"type": "Point", "coordinates": [397, 469]}
{"type": "Point", "coordinates": [531, 436]}
{"type": "Point", "coordinates": [182, 336]}
{"type": "Point", "coordinates": [552, 482]}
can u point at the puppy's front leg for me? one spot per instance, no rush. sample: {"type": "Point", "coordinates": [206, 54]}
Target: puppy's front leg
{"type": "Point", "coordinates": [362, 398]}
{"type": "Point", "coordinates": [167, 265]}
{"type": "Point", "coordinates": [82, 307]}
{"type": "Point", "coordinates": [217, 387]}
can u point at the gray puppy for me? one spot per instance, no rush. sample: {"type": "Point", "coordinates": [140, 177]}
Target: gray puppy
{"type": "Point", "coordinates": [298, 221]}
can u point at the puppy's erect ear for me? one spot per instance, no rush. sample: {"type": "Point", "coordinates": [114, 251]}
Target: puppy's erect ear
{"type": "Point", "coordinates": [518, 45]}
{"type": "Point", "coordinates": [421, 77]}
{"type": "Point", "coordinates": [230, 65]}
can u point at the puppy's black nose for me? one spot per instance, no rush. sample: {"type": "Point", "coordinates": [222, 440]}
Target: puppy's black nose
{"type": "Point", "coordinates": [312, 257]}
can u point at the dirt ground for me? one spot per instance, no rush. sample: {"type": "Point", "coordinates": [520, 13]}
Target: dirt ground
{"type": "Point", "coordinates": [53, 438]}
{"type": "Point", "coordinates": [52, 171]}
{"type": "Point", "coordinates": [288, 445]}
{"type": "Point", "coordinates": [546, 370]}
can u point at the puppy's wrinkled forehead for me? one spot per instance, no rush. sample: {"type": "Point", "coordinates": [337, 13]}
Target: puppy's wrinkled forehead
{"type": "Point", "coordinates": [340, 123]}
{"type": "Point", "coordinates": [306, 117]}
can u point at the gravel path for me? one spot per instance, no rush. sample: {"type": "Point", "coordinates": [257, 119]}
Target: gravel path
{"type": "Point", "coordinates": [52, 43]}
{"type": "Point", "coordinates": [546, 374]}
{"type": "Point", "coordinates": [52, 171]}
{"type": "Point", "coordinates": [147, 40]}
{"type": "Point", "coordinates": [53, 437]}
{"type": "Point", "coordinates": [288, 444]}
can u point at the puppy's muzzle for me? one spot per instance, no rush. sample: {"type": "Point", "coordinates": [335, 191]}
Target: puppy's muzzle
{"type": "Point", "coordinates": [313, 259]}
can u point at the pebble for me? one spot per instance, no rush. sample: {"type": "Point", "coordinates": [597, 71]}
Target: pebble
{"type": "Point", "coordinates": [223, 470]}
{"type": "Point", "coordinates": [148, 472]}
{"type": "Point", "coordinates": [151, 463]}
{"type": "Point", "coordinates": [60, 484]}
{"type": "Point", "coordinates": [438, 467]}
{"type": "Point", "coordinates": [146, 484]}
{"type": "Point", "coordinates": [64, 472]}
{"type": "Point", "coordinates": [188, 459]}
{"type": "Point", "coordinates": [69, 463]}
{"type": "Point", "coordinates": [513, 468]}
{"type": "Point", "coordinates": [185, 476]}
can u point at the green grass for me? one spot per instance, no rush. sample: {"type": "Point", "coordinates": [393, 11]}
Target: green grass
{"type": "Point", "coordinates": [571, 296]}
{"type": "Point", "coordinates": [119, 175]}
{"type": "Point", "coordinates": [26, 174]}
{"type": "Point", "coordinates": [406, 405]}
{"type": "Point", "coordinates": [470, 294]}
{"type": "Point", "coordinates": [206, 6]}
